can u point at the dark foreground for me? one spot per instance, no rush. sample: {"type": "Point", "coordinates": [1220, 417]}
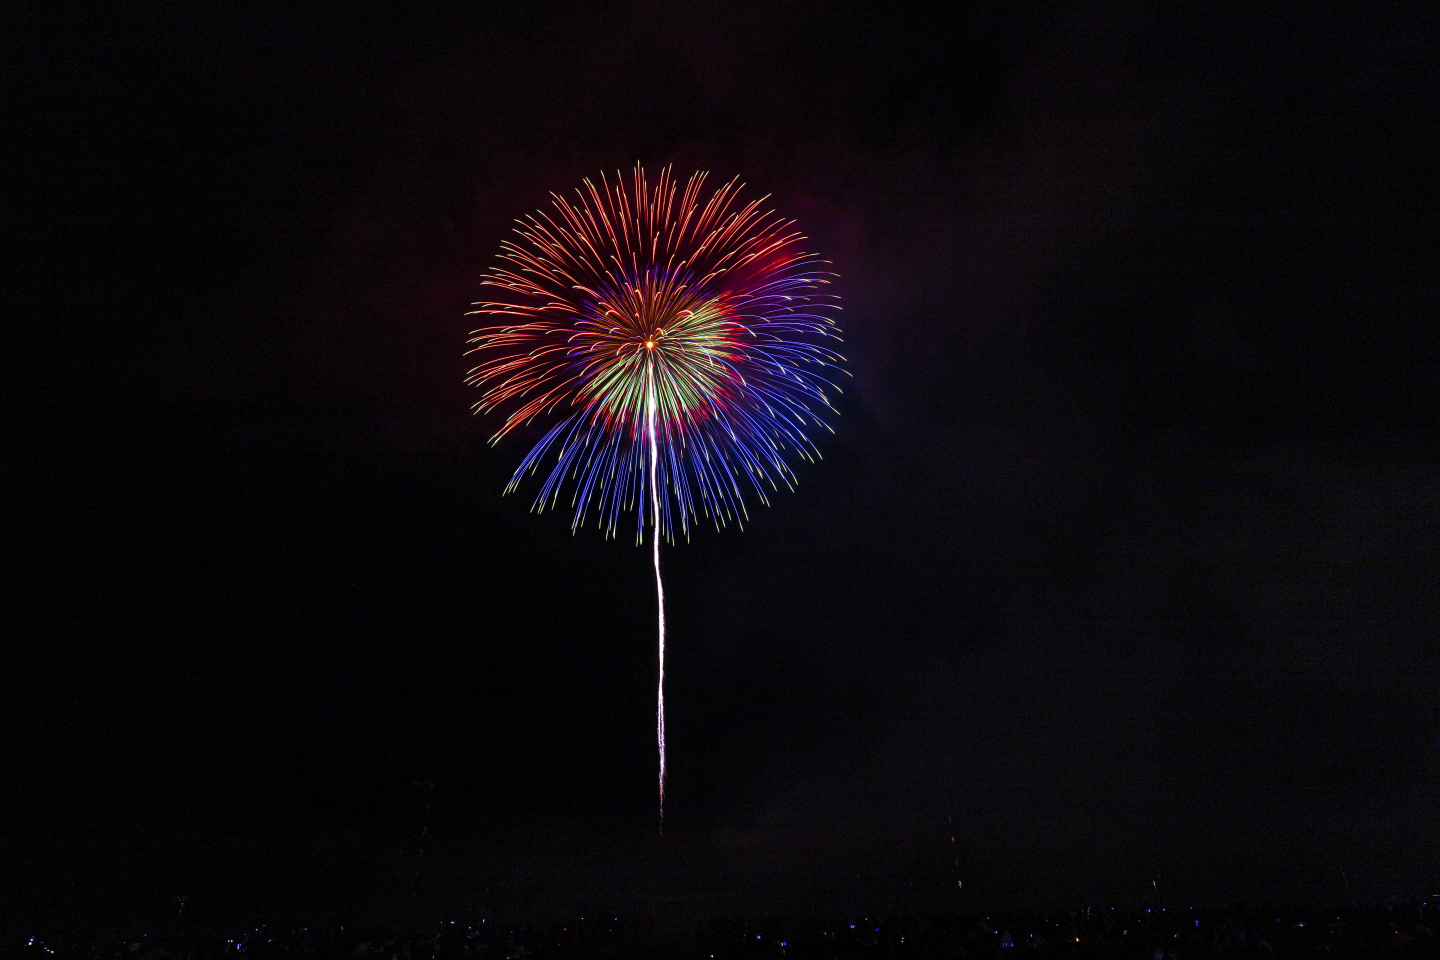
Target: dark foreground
{"type": "Point", "coordinates": [1380, 930]}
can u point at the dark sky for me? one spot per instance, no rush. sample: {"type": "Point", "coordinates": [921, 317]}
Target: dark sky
{"type": "Point", "coordinates": [1123, 555]}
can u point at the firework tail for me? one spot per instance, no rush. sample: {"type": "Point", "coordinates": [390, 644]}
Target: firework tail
{"type": "Point", "coordinates": [659, 584]}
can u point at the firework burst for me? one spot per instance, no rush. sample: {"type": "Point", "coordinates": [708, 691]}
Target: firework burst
{"type": "Point", "coordinates": [710, 304]}
{"type": "Point", "coordinates": [679, 338]}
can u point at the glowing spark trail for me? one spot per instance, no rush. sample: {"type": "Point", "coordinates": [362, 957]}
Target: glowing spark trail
{"type": "Point", "coordinates": [678, 340]}
{"type": "Point", "coordinates": [659, 584]}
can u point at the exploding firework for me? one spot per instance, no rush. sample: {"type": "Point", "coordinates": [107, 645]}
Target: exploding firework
{"type": "Point", "coordinates": [679, 338]}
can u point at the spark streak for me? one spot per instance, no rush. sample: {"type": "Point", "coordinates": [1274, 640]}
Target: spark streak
{"type": "Point", "coordinates": [659, 584]}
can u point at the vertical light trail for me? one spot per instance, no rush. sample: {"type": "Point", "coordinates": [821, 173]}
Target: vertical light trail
{"type": "Point", "coordinates": [659, 584]}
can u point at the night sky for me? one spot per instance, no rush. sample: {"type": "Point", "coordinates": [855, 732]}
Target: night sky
{"type": "Point", "coordinates": [1122, 558]}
